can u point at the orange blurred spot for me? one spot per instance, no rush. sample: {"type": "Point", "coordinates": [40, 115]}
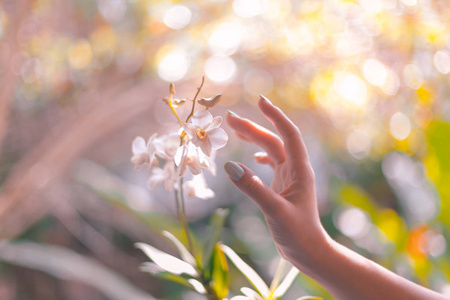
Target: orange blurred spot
{"type": "Point", "coordinates": [416, 244]}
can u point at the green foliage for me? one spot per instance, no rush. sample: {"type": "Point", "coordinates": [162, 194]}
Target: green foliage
{"type": "Point", "coordinates": [212, 237]}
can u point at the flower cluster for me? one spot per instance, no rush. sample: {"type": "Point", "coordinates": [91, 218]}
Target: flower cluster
{"type": "Point", "coordinates": [202, 266]}
{"type": "Point", "coordinates": [191, 148]}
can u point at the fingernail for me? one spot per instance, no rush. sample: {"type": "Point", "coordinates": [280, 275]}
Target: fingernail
{"type": "Point", "coordinates": [260, 154]}
{"type": "Point", "coordinates": [265, 99]}
{"type": "Point", "coordinates": [232, 113]}
{"type": "Point", "coordinates": [234, 170]}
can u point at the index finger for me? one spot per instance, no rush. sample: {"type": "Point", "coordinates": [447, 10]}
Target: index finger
{"type": "Point", "coordinates": [293, 142]}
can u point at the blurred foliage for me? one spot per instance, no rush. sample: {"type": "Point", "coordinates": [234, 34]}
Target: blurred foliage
{"type": "Point", "coordinates": [367, 81]}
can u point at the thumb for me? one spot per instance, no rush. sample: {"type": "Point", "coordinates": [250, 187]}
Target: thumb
{"type": "Point", "coordinates": [252, 186]}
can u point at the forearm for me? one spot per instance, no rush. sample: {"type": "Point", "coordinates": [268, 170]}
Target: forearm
{"type": "Point", "coordinates": [348, 275]}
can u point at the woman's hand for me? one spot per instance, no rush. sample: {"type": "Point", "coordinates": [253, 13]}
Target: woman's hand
{"type": "Point", "coordinates": [290, 208]}
{"type": "Point", "coordinates": [289, 204]}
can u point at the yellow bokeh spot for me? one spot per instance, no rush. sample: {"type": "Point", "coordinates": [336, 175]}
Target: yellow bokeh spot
{"type": "Point", "coordinates": [80, 54]}
{"type": "Point", "coordinates": [390, 224]}
{"type": "Point", "coordinates": [103, 40]}
{"type": "Point", "coordinates": [425, 95]}
{"type": "Point", "coordinates": [432, 168]}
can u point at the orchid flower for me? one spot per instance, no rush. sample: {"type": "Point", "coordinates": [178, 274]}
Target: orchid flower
{"type": "Point", "coordinates": [143, 153]}
{"type": "Point", "coordinates": [189, 156]}
{"type": "Point", "coordinates": [204, 131]}
{"type": "Point", "coordinates": [168, 176]}
{"type": "Point", "coordinates": [197, 188]}
{"type": "Point", "coordinates": [167, 145]}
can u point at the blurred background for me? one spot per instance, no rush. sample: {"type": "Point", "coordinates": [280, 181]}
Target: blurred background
{"type": "Point", "coordinates": [366, 81]}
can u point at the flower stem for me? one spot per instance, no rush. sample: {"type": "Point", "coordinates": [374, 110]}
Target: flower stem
{"type": "Point", "coordinates": [177, 201]}
{"type": "Point", "coordinates": [183, 220]}
{"type": "Point", "coordinates": [195, 98]}
{"type": "Point", "coordinates": [176, 115]}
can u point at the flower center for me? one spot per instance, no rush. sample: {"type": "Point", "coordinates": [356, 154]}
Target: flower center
{"type": "Point", "coordinates": [201, 134]}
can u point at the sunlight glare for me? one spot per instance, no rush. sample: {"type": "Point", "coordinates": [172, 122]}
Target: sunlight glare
{"type": "Point", "coordinates": [359, 144]}
{"type": "Point", "coordinates": [220, 68]}
{"type": "Point", "coordinates": [413, 76]}
{"type": "Point", "coordinates": [173, 66]}
{"type": "Point", "coordinates": [226, 38]}
{"type": "Point", "coordinates": [177, 17]}
{"type": "Point", "coordinates": [353, 222]}
{"type": "Point", "coordinates": [442, 61]}
{"type": "Point", "coordinates": [400, 126]}
{"type": "Point", "coordinates": [375, 72]}
{"type": "Point", "coordinates": [350, 87]}
{"type": "Point", "coordinates": [249, 8]}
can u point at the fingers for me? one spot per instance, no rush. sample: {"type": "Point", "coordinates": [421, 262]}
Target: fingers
{"type": "Point", "coordinates": [252, 186]}
{"type": "Point", "coordinates": [259, 135]}
{"type": "Point", "coordinates": [293, 142]}
{"type": "Point", "coordinates": [263, 158]}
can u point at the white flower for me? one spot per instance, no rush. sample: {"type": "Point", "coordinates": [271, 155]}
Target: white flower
{"type": "Point", "coordinates": [167, 145]}
{"type": "Point", "coordinates": [189, 156]}
{"type": "Point", "coordinates": [205, 133]}
{"type": "Point", "coordinates": [168, 175]}
{"type": "Point", "coordinates": [143, 153]}
{"type": "Point", "coordinates": [197, 188]}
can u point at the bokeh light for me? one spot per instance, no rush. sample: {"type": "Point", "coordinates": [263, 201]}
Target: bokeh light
{"type": "Point", "coordinates": [177, 17]}
{"type": "Point", "coordinates": [220, 68]}
{"type": "Point", "coordinates": [366, 81]}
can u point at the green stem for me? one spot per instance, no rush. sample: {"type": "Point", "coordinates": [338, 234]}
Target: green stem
{"type": "Point", "coordinates": [183, 220]}
{"type": "Point", "coordinates": [177, 201]}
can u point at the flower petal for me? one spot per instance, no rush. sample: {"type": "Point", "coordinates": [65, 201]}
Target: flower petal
{"type": "Point", "coordinates": [218, 138]}
{"type": "Point", "coordinates": [167, 145]}
{"type": "Point", "coordinates": [202, 118]}
{"type": "Point", "coordinates": [156, 179]}
{"type": "Point", "coordinates": [206, 147]}
{"type": "Point", "coordinates": [190, 129]}
{"type": "Point", "coordinates": [166, 261]}
{"type": "Point", "coordinates": [138, 145]}
{"type": "Point", "coordinates": [215, 123]}
{"type": "Point", "coordinates": [180, 155]}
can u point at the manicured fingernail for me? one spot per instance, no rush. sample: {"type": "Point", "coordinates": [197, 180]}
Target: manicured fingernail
{"type": "Point", "coordinates": [265, 99]}
{"type": "Point", "coordinates": [234, 170]}
{"type": "Point", "coordinates": [260, 154]}
{"type": "Point", "coordinates": [232, 113]}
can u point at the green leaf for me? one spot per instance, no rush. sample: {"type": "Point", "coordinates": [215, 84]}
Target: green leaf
{"type": "Point", "coordinates": [286, 283]}
{"type": "Point", "coordinates": [166, 261]}
{"type": "Point", "coordinates": [247, 271]}
{"type": "Point", "coordinates": [277, 278]}
{"type": "Point", "coordinates": [198, 286]}
{"type": "Point", "coordinates": [219, 273]}
{"type": "Point", "coordinates": [184, 253]}
{"type": "Point", "coordinates": [213, 235]}
{"type": "Point", "coordinates": [156, 271]}
{"type": "Point", "coordinates": [251, 294]}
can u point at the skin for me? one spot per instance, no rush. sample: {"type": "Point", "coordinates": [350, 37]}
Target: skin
{"type": "Point", "coordinates": [289, 206]}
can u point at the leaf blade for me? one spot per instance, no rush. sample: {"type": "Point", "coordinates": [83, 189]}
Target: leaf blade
{"type": "Point", "coordinates": [217, 222]}
{"type": "Point", "coordinates": [184, 253]}
{"type": "Point", "coordinates": [166, 261]}
{"type": "Point", "coordinates": [247, 271]}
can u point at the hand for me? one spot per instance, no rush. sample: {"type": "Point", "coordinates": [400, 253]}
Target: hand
{"type": "Point", "coordinates": [289, 204]}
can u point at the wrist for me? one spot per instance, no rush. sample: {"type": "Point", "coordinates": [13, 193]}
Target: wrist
{"type": "Point", "coordinates": [318, 250]}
